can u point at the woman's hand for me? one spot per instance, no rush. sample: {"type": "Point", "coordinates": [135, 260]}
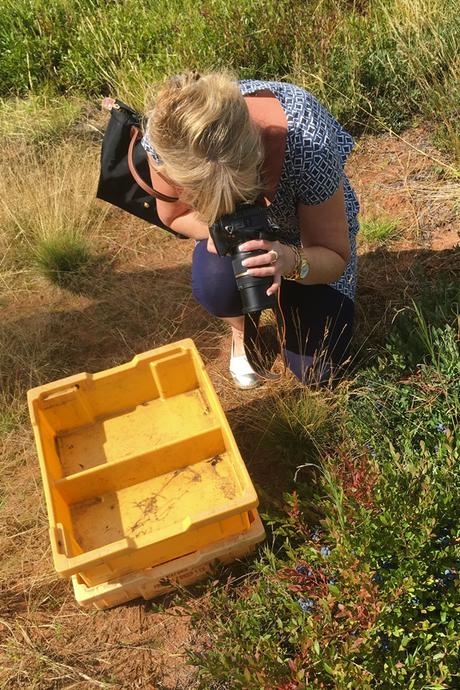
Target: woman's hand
{"type": "Point", "coordinates": [264, 264]}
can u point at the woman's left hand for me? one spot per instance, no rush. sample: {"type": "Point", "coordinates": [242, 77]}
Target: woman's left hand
{"type": "Point", "coordinates": [278, 260]}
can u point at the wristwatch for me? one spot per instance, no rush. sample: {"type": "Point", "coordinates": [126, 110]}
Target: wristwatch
{"type": "Point", "coordinates": [302, 265]}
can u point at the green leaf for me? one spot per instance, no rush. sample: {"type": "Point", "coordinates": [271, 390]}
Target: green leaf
{"type": "Point", "coordinates": [328, 669]}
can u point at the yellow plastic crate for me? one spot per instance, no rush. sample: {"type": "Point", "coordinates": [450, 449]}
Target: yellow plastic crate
{"type": "Point", "coordinates": [139, 465]}
{"type": "Point", "coordinates": [161, 579]}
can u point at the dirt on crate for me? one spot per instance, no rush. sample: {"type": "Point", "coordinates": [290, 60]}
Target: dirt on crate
{"type": "Point", "coordinates": [139, 298]}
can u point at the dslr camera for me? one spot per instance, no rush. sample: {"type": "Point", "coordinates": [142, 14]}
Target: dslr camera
{"type": "Point", "coordinates": [248, 222]}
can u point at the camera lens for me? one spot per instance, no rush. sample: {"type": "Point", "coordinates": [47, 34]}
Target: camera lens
{"type": "Point", "coordinates": [253, 288]}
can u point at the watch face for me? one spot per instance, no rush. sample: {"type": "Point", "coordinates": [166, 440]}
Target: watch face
{"type": "Point", "coordinates": [304, 269]}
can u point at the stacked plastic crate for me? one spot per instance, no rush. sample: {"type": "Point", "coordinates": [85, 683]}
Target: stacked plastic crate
{"type": "Point", "coordinates": [144, 483]}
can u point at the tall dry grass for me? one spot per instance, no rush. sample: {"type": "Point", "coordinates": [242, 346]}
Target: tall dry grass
{"type": "Point", "coordinates": [49, 217]}
{"type": "Point", "coordinates": [40, 118]}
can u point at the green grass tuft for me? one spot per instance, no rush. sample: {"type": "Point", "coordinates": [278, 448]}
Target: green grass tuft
{"type": "Point", "coordinates": [378, 230]}
{"type": "Point", "coordinates": [62, 259]}
{"type": "Point", "coordinates": [8, 422]}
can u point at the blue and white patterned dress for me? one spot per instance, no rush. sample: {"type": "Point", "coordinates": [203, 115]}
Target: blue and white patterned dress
{"type": "Point", "coordinates": [317, 148]}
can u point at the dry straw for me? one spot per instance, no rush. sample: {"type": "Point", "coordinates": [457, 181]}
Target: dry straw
{"type": "Point", "coordinates": [48, 199]}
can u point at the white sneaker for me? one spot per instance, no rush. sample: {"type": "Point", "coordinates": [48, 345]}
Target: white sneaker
{"type": "Point", "coordinates": [242, 373]}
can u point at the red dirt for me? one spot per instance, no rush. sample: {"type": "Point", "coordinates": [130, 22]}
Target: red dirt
{"type": "Point", "coordinates": [139, 301]}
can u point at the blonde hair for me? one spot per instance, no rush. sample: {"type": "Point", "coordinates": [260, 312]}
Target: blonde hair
{"type": "Point", "coordinates": [209, 146]}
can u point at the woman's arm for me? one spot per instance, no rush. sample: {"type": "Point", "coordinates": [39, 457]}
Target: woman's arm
{"type": "Point", "coordinates": [176, 215]}
{"type": "Point", "coordinates": [325, 239]}
{"type": "Point", "coordinates": [325, 245]}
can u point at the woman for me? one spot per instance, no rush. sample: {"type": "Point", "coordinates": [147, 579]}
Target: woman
{"type": "Point", "coordinates": [214, 142]}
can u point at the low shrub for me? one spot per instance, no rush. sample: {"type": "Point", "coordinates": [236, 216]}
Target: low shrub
{"type": "Point", "coordinates": [367, 595]}
{"type": "Point", "coordinates": [375, 63]}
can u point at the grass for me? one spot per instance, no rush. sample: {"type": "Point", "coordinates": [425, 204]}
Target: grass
{"type": "Point", "coordinates": [375, 64]}
{"type": "Point", "coordinates": [30, 661]}
{"type": "Point", "coordinates": [357, 584]}
{"type": "Point", "coordinates": [12, 412]}
{"type": "Point", "coordinates": [63, 258]}
{"type": "Point", "coordinates": [38, 118]}
{"type": "Point", "coordinates": [378, 230]}
{"type": "Point", "coordinates": [49, 217]}
{"type": "Point", "coordinates": [360, 586]}
{"type": "Point", "coordinates": [28, 356]}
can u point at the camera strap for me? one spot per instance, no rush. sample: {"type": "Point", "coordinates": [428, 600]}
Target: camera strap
{"type": "Point", "coordinates": [258, 352]}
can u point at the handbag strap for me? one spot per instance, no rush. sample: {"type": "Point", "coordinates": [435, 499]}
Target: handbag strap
{"type": "Point", "coordinates": [135, 136]}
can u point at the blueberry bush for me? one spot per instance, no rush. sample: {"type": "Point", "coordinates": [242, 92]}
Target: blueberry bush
{"type": "Point", "coordinates": [366, 595]}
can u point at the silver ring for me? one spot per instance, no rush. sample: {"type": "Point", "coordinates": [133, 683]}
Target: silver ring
{"type": "Point", "coordinates": [275, 256]}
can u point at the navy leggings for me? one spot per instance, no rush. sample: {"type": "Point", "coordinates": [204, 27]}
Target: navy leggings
{"type": "Point", "coordinates": [319, 319]}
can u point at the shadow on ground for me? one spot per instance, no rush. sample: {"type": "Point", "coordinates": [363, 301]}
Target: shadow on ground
{"type": "Point", "coordinates": [119, 314]}
{"type": "Point", "coordinates": [391, 281]}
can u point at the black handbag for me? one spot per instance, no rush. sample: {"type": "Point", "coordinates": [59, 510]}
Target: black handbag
{"type": "Point", "coordinates": [124, 166]}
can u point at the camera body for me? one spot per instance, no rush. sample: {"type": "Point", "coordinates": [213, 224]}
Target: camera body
{"type": "Point", "coordinates": [248, 222]}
